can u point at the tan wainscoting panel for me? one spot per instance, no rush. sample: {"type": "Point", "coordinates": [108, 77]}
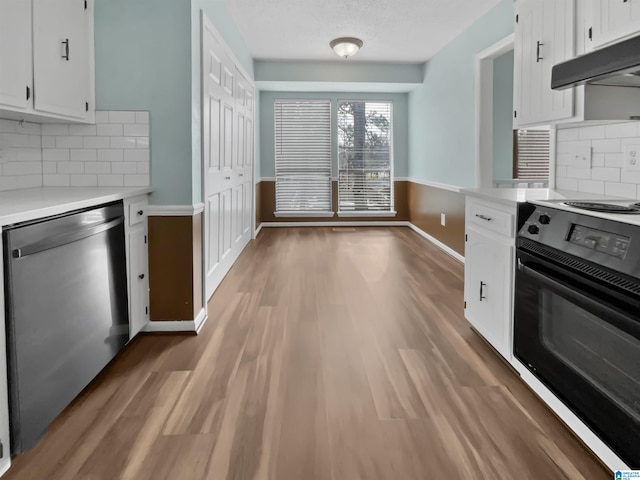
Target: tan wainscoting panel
{"type": "Point", "coordinates": [425, 206]}
{"type": "Point", "coordinates": [266, 197]}
{"type": "Point", "coordinates": [172, 247]}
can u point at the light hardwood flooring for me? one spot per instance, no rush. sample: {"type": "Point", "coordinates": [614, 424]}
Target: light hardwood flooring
{"type": "Point", "coordinates": [327, 355]}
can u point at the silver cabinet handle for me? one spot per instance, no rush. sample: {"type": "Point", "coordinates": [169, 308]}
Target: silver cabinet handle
{"type": "Point", "coordinates": [484, 217]}
{"type": "Point", "coordinates": [482, 296]}
{"type": "Point", "coordinates": [66, 49]}
{"type": "Point", "coordinates": [538, 57]}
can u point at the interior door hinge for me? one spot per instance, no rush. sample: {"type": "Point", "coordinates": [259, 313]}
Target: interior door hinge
{"type": "Point", "coordinates": [28, 92]}
{"type": "Point", "coordinates": [146, 310]}
{"type": "Point", "coordinates": [86, 106]}
{"type": "Point", "coordinates": [145, 239]}
{"type": "Point", "coordinates": [465, 304]}
{"type": "Point", "coordinates": [517, 18]}
{"type": "Point", "coordinates": [515, 114]}
{"type": "Point", "coordinates": [466, 238]}
{"type": "Point", "coordinates": [85, 4]}
{"type": "Point", "coordinates": [591, 33]}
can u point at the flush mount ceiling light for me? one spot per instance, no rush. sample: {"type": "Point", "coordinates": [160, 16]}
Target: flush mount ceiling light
{"type": "Point", "coordinates": [346, 46]}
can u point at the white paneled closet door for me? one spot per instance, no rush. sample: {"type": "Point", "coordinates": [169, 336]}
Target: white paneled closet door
{"type": "Point", "coordinates": [227, 172]}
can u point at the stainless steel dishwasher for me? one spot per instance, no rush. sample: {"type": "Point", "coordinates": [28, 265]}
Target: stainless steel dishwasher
{"type": "Point", "coordinates": [66, 311]}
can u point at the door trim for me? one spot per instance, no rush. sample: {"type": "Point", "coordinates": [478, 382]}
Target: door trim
{"type": "Point", "coordinates": [484, 110]}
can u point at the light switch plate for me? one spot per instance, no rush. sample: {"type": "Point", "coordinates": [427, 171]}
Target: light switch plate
{"type": "Point", "coordinates": [581, 157]}
{"type": "Point", "coordinates": [632, 157]}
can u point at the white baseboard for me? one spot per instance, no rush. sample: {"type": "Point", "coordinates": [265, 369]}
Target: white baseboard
{"type": "Point", "coordinates": [436, 242]}
{"type": "Point", "coordinates": [178, 326]}
{"type": "Point", "coordinates": [422, 233]}
{"type": "Point", "coordinates": [257, 230]}
{"type": "Point", "coordinates": [335, 224]}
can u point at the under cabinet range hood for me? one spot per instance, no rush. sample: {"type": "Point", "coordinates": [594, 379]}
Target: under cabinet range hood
{"type": "Point", "coordinates": [617, 65]}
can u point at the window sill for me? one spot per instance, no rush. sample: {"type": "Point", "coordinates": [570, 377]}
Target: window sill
{"type": "Point", "coordinates": [367, 214]}
{"type": "Point", "coordinates": [304, 214]}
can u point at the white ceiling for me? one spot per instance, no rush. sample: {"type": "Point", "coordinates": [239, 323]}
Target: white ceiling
{"type": "Point", "coordinates": [406, 31]}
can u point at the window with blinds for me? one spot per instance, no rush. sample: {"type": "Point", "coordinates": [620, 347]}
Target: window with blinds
{"type": "Point", "coordinates": [303, 157]}
{"type": "Point", "coordinates": [531, 154]}
{"type": "Point", "coordinates": [365, 146]}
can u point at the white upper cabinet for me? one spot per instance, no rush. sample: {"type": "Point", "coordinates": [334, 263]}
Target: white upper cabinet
{"type": "Point", "coordinates": [15, 53]}
{"type": "Point", "coordinates": [46, 60]}
{"type": "Point", "coordinates": [614, 20]}
{"type": "Point", "coordinates": [61, 40]}
{"type": "Point", "coordinates": [544, 36]}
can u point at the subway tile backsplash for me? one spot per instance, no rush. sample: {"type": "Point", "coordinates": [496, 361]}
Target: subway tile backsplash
{"type": "Point", "coordinates": [607, 174]}
{"type": "Point", "coordinates": [113, 152]}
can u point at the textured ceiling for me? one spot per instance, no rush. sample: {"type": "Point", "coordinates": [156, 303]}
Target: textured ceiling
{"type": "Point", "coordinates": [408, 31]}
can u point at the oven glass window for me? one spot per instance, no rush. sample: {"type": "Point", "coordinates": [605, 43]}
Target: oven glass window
{"type": "Point", "coordinates": [602, 354]}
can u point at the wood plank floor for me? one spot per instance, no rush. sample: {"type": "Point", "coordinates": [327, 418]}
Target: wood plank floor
{"type": "Point", "coordinates": [327, 355]}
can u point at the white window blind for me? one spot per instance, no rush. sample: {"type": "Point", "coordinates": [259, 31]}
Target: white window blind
{"type": "Point", "coordinates": [532, 162]}
{"type": "Point", "coordinates": [365, 146]}
{"type": "Point", "coordinates": [303, 157]}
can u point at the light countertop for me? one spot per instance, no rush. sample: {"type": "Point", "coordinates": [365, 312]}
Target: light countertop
{"type": "Point", "coordinates": [512, 196]}
{"type": "Point", "coordinates": [31, 203]}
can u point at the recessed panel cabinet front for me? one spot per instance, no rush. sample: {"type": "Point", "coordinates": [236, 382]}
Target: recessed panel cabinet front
{"type": "Point", "coordinates": [62, 41]}
{"type": "Point", "coordinates": [544, 36]}
{"type": "Point", "coordinates": [137, 263]}
{"type": "Point", "coordinates": [15, 53]}
{"type": "Point", "coordinates": [614, 20]}
{"type": "Point", "coordinates": [487, 288]}
{"type": "Point", "coordinates": [139, 290]}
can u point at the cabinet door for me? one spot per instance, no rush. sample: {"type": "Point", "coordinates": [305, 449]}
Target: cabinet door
{"type": "Point", "coordinates": [138, 280]}
{"type": "Point", "coordinates": [544, 36]}
{"type": "Point", "coordinates": [15, 53]}
{"type": "Point", "coordinates": [488, 274]}
{"type": "Point", "coordinates": [61, 56]}
{"type": "Point", "coordinates": [614, 19]}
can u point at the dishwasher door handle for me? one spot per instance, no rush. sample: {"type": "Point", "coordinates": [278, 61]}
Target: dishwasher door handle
{"type": "Point", "coordinates": [59, 240]}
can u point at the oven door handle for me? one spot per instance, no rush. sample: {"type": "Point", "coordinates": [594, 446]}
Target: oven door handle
{"type": "Point", "coordinates": [624, 321]}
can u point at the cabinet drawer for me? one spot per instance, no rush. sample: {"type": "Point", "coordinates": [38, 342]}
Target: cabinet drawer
{"type": "Point", "coordinates": [491, 219]}
{"type": "Point", "coordinates": [137, 212]}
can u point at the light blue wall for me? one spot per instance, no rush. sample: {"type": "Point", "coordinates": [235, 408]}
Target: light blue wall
{"type": "Point", "coordinates": [503, 116]}
{"type": "Point", "coordinates": [143, 63]}
{"type": "Point", "coordinates": [218, 14]}
{"type": "Point", "coordinates": [148, 58]}
{"type": "Point", "coordinates": [271, 71]}
{"type": "Point", "coordinates": [442, 110]}
{"type": "Point", "coordinates": [400, 127]}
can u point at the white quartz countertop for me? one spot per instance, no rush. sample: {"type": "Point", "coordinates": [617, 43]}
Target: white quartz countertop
{"type": "Point", "coordinates": [512, 196]}
{"type": "Point", "coordinates": [32, 203]}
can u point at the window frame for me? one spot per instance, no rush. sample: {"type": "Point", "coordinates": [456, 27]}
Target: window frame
{"type": "Point", "coordinates": [367, 213]}
{"type": "Point", "coordinates": [303, 213]}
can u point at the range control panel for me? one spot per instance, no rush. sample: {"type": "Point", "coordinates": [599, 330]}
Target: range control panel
{"type": "Point", "coordinates": [603, 242]}
{"type": "Point", "coordinates": [599, 240]}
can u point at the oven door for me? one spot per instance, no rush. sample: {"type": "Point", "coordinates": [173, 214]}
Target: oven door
{"type": "Point", "coordinates": [582, 340]}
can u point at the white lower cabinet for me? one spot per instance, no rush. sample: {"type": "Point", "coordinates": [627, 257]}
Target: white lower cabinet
{"type": "Point", "coordinates": [488, 273]}
{"type": "Point", "coordinates": [137, 263]}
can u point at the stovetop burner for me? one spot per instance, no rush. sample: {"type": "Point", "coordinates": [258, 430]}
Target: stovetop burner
{"type": "Point", "coordinates": [605, 207]}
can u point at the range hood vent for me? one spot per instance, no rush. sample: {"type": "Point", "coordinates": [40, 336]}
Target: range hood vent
{"type": "Point", "coordinates": [616, 65]}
